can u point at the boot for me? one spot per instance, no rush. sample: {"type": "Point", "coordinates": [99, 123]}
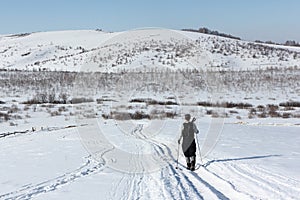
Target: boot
{"type": "Point", "coordinates": [193, 163]}
{"type": "Point", "coordinates": [188, 163]}
{"type": "Point", "coordinates": [188, 166]}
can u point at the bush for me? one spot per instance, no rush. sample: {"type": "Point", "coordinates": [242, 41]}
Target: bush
{"type": "Point", "coordinates": [225, 105]}
{"type": "Point", "coordinates": [296, 115]}
{"type": "Point", "coordinates": [13, 109]}
{"type": "Point", "coordinates": [81, 100]}
{"type": "Point", "coordinates": [262, 115]}
{"type": "Point", "coordinates": [209, 112]}
{"type": "Point", "coordinates": [273, 110]}
{"type": "Point", "coordinates": [44, 97]}
{"type": "Point", "coordinates": [127, 116]}
{"type": "Point", "coordinates": [290, 104]}
{"type": "Point", "coordinates": [170, 115]}
{"type": "Point", "coordinates": [286, 115]}
{"type": "Point", "coordinates": [62, 109]}
{"type": "Point", "coordinates": [4, 116]}
{"type": "Point", "coordinates": [261, 108]}
{"type": "Point", "coordinates": [55, 113]}
{"type": "Point", "coordinates": [150, 101]}
{"type": "Point", "coordinates": [233, 112]}
{"type": "Point", "coordinates": [118, 116]}
{"type": "Point", "coordinates": [139, 115]}
{"type": "Point", "coordinates": [288, 108]}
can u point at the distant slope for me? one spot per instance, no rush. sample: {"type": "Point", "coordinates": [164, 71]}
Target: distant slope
{"type": "Point", "coordinates": [138, 50]}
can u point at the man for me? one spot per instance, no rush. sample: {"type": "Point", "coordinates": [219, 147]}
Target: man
{"type": "Point", "coordinates": [188, 143]}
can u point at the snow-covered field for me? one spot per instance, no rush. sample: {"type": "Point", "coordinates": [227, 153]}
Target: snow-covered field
{"type": "Point", "coordinates": [249, 161]}
{"type": "Point", "coordinates": [113, 134]}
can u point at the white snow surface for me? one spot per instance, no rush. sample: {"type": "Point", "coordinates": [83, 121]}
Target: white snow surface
{"type": "Point", "coordinates": [249, 161]}
{"type": "Point", "coordinates": [76, 154]}
{"type": "Point", "coordinates": [132, 50]}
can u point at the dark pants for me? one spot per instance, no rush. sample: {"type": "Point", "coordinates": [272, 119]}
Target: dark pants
{"type": "Point", "coordinates": [189, 148]}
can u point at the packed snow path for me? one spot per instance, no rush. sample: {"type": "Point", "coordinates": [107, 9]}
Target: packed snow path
{"type": "Point", "coordinates": [61, 169]}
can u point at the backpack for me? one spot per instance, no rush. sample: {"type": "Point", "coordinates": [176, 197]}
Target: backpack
{"type": "Point", "coordinates": [188, 130]}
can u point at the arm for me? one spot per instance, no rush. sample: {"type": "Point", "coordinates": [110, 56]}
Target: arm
{"type": "Point", "coordinates": [179, 139]}
{"type": "Point", "coordinates": [195, 128]}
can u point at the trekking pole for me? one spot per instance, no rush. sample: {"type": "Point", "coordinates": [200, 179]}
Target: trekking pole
{"type": "Point", "coordinates": [193, 120]}
{"type": "Point", "coordinates": [177, 157]}
{"type": "Point", "coordinates": [199, 149]}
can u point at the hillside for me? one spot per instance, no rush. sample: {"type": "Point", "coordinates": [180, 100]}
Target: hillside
{"type": "Point", "coordinates": [71, 135]}
{"type": "Point", "coordinates": [138, 50]}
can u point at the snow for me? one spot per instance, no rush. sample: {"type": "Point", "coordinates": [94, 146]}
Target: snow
{"type": "Point", "coordinates": [71, 151]}
{"type": "Point", "coordinates": [132, 50]}
{"type": "Point", "coordinates": [248, 162]}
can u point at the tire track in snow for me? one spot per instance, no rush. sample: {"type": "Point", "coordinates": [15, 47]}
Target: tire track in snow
{"type": "Point", "coordinates": [286, 182]}
{"type": "Point", "coordinates": [188, 190]}
{"type": "Point", "coordinates": [133, 181]}
{"type": "Point", "coordinates": [278, 183]}
{"type": "Point", "coordinates": [226, 185]}
{"type": "Point", "coordinates": [116, 187]}
{"type": "Point", "coordinates": [196, 178]}
{"type": "Point", "coordinates": [30, 191]}
{"type": "Point", "coordinates": [258, 183]}
{"type": "Point", "coordinates": [170, 189]}
{"type": "Point", "coordinates": [184, 193]}
{"type": "Point", "coordinates": [176, 184]}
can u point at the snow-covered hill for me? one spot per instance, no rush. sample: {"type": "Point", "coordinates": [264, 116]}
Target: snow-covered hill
{"type": "Point", "coordinates": [138, 50]}
{"type": "Point", "coordinates": [69, 135]}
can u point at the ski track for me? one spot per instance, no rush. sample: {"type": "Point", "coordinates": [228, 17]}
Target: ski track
{"type": "Point", "coordinates": [189, 187]}
{"type": "Point", "coordinates": [268, 182]}
{"type": "Point", "coordinates": [224, 181]}
{"type": "Point", "coordinates": [281, 180]}
{"type": "Point", "coordinates": [257, 181]}
{"type": "Point", "coordinates": [206, 183]}
{"type": "Point", "coordinates": [29, 191]}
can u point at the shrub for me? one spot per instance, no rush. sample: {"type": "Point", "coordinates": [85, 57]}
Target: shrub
{"type": "Point", "coordinates": [225, 105]}
{"type": "Point", "coordinates": [139, 115]}
{"type": "Point", "coordinates": [286, 115]}
{"type": "Point", "coordinates": [238, 117]}
{"type": "Point", "coordinates": [105, 116]}
{"type": "Point", "coordinates": [13, 109]}
{"type": "Point", "coordinates": [4, 116]}
{"type": "Point", "coordinates": [150, 101]}
{"type": "Point", "coordinates": [290, 104]}
{"type": "Point", "coordinates": [261, 108]}
{"type": "Point", "coordinates": [62, 109]}
{"type": "Point", "coordinates": [233, 112]}
{"type": "Point", "coordinates": [262, 115]}
{"type": "Point", "coordinates": [296, 115]}
{"type": "Point", "coordinates": [55, 113]}
{"type": "Point", "coordinates": [26, 108]}
{"type": "Point", "coordinates": [81, 100]}
{"type": "Point", "coordinates": [273, 110]}
{"type": "Point", "coordinates": [215, 115]}
{"type": "Point", "coordinates": [288, 108]}
{"type": "Point", "coordinates": [170, 115]}
{"type": "Point", "coordinates": [101, 100]}
{"type": "Point", "coordinates": [209, 112]}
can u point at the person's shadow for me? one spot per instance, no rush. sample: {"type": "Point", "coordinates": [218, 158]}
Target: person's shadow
{"type": "Point", "coordinates": [236, 159]}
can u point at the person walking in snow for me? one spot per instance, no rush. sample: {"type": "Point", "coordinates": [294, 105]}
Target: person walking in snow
{"type": "Point", "coordinates": [188, 143]}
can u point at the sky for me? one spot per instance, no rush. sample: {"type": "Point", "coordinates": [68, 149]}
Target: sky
{"type": "Point", "coordinates": [276, 20]}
